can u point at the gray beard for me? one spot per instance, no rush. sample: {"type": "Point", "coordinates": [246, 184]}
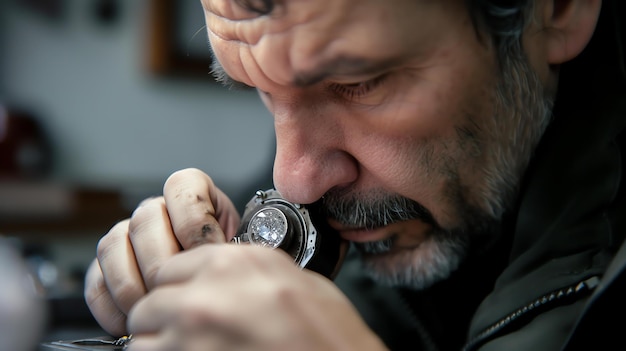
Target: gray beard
{"type": "Point", "coordinates": [418, 268]}
{"type": "Point", "coordinates": [375, 247]}
{"type": "Point", "coordinates": [433, 261]}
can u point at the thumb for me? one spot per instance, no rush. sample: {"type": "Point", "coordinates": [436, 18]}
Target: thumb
{"type": "Point", "coordinates": [199, 212]}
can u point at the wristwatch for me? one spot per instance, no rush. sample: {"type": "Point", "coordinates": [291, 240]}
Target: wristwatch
{"type": "Point", "coordinates": [271, 221]}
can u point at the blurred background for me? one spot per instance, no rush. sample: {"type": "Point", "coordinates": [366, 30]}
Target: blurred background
{"type": "Point", "coordinates": [100, 100]}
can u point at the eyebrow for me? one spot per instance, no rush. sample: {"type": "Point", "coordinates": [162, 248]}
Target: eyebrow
{"type": "Point", "coordinates": [340, 65]}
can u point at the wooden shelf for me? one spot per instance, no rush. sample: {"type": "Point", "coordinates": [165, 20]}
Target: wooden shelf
{"type": "Point", "coordinates": [45, 208]}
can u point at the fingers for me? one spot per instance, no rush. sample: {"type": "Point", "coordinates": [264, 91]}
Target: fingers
{"type": "Point", "coordinates": [227, 297]}
{"type": "Point", "coordinates": [121, 274]}
{"type": "Point", "coordinates": [129, 256]}
{"type": "Point", "coordinates": [224, 261]}
{"type": "Point", "coordinates": [199, 212]}
{"type": "Point", "coordinates": [227, 215]}
{"type": "Point", "coordinates": [101, 304]}
{"type": "Point", "coordinates": [170, 315]}
{"type": "Point", "coordinates": [192, 212]}
{"type": "Point", "coordinates": [153, 240]}
{"type": "Point", "coordinates": [151, 313]}
{"type": "Point", "coordinates": [185, 302]}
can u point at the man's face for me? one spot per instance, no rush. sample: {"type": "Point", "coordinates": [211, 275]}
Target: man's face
{"type": "Point", "coordinates": [394, 114]}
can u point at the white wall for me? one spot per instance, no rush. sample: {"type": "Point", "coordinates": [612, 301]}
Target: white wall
{"type": "Point", "coordinates": [111, 121]}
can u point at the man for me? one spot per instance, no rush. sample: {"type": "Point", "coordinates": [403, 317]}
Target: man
{"type": "Point", "coordinates": [470, 150]}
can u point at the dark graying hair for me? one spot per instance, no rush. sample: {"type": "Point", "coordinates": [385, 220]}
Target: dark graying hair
{"type": "Point", "coordinates": [503, 21]}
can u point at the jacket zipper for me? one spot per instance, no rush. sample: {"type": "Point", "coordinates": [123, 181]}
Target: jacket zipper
{"type": "Point", "coordinates": [542, 303]}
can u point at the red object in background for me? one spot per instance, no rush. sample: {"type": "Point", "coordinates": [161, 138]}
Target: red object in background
{"type": "Point", "coordinates": [24, 148]}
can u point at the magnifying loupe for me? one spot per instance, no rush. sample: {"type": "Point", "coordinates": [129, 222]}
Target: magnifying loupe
{"type": "Point", "coordinates": [271, 221]}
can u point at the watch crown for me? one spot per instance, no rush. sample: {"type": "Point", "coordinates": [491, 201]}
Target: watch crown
{"type": "Point", "coordinates": [260, 194]}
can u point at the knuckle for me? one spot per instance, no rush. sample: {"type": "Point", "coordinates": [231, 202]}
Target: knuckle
{"type": "Point", "coordinates": [148, 211]}
{"type": "Point", "coordinates": [148, 201]}
{"type": "Point", "coordinates": [251, 256]}
{"type": "Point", "coordinates": [229, 260]}
{"type": "Point", "coordinates": [112, 239]}
{"type": "Point", "coordinates": [191, 315]}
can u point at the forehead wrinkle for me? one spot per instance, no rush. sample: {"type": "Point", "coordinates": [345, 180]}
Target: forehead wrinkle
{"type": "Point", "coordinates": [253, 64]}
{"type": "Point", "coordinates": [231, 29]}
{"type": "Point", "coordinates": [302, 67]}
{"type": "Point", "coordinates": [248, 31]}
{"type": "Point", "coordinates": [248, 70]}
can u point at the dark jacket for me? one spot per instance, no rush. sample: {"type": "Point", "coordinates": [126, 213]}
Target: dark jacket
{"type": "Point", "coordinates": [557, 279]}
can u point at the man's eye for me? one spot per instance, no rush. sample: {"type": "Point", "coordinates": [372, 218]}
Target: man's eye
{"type": "Point", "coordinates": [356, 90]}
{"type": "Point", "coordinates": [261, 7]}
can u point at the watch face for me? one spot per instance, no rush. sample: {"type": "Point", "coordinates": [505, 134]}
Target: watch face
{"type": "Point", "coordinates": [268, 227]}
{"type": "Point", "coordinates": [271, 221]}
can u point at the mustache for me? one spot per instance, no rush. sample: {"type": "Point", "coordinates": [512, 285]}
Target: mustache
{"type": "Point", "coordinates": [372, 210]}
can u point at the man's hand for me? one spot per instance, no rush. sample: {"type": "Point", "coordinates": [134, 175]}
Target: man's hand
{"type": "Point", "coordinates": [191, 212]}
{"type": "Point", "coordinates": [228, 297]}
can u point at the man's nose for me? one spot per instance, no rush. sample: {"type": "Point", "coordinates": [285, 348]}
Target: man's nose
{"type": "Point", "coordinates": [310, 155]}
